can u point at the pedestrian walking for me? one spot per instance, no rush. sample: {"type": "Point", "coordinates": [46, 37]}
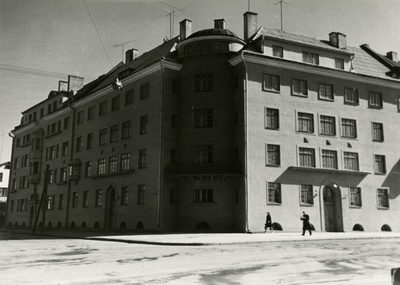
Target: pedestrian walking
{"type": "Point", "coordinates": [268, 223]}
{"type": "Point", "coordinates": [306, 223]}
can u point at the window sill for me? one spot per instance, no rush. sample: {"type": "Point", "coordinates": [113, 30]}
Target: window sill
{"type": "Point", "coordinates": [383, 208]}
{"type": "Point", "coordinates": [273, 165]}
{"type": "Point", "coordinates": [375, 107]}
{"type": "Point", "coordinates": [355, 207]}
{"type": "Point", "coordinates": [352, 104]}
{"type": "Point", "coordinates": [274, 204]}
{"type": "Point", "coordinates": [380, 173]}
{"type": "Point", "coordinates": [378, 141]}
{"type": "Point", "coordinates": [326, 99]}
{"type": "Point", "coordinates": [272, 91]}
{"type": "Point", "coordinates": [61, 183]}
{"type": "Point", "coordinates": [306, 205]}
{"type": "Point", "coordinates": [112, 174]}
{"type": "Point", "coordinates": [272, 129]}
{"type": "Point", "coordinates": [300, 95]}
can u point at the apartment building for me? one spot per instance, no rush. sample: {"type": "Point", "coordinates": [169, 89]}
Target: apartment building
{"type": "Point", "coordinates": [209, 131]}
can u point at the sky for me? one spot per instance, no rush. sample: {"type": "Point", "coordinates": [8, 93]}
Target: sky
{"type": "Point", "coordinates": [43, 41]}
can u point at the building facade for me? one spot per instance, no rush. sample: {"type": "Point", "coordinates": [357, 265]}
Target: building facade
{"type": "Point", "coordinates": [4, 176]}
{"type": "Point", "coordinates": [209, 131]}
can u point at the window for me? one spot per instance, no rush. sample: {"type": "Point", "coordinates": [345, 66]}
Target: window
{"type": "Point", "coordinates": [141, 194]}
{"type": "Point", "coordinates": [144, 91]}
{"type": "Point", "coordinates": [351, 96]}
{"type": "Point", "coordinates": [115, 103]}
{"type": "Point", "coordinates": [383, 198]}
{"type": "Point", "coordinates": [375, 100]}
{"type": "Point", "coordinates": [129, 97]}
{"type": "Point", "coordinates": [64, 148]}
{"type": "Point", "coordinates": [377, 132]}
{"type": "Point", "coordinates": [52, 177]}
{"type": "Point", "coordinates": [1, 177]}
{"type": "Point", "coordinates": [99, 195]}
{"type": "Point", "coordinates": [380, 164]}
{"type": "Point", "coordinates": [41, 113]}
{"type": "Point", "coordinates": [78, 144]}
{"type": "Point", "coordinates": [274, 193]}
{"type": "Point", "coordinates": [203, 82]}
{"type": "Point", "coordinates": [88, 168]}
{"type": "Point", "coordinates": [103, 108]}
{"type": "Point", "coordinates": [273, 155]}
{"type": "Point", "coordinates": [60, 201]}
{"type": "Point", "coordinates": [112, 164]}
{"type": "Point", "coordinates": [142, 158]}
{"type": "Point", "coordinates": [80, 118]}
{"type": "Point", "coordinates": [66, 123]}
{"type": "Point", "coordinates": [50, 203]}
{"type": "Point", "coordinates": [299, 87]}
{"type": "Point", "coordinates": [101, 166]}
{"type": "Point", "coordinates": [202, 154]}
{"type": "Point", "coordinates": [312, 58]}
{"type": "Point", "coordinates": [305, 123]}
{"type": "Point", "coordinates": [328, 125]}
{"type": "Point", "coordinates": [75, 200]}
{"type": "Point", "coordinates": [52, 153]}
{"type": "Point", "coordinates": [277, 51]}
{"type": "Point", "coordinates": [355, 197]}
{"type": "Point", "coordinates": [349, 128]}
{"type": "Point", "coordinates": [91, 113]}
{"type": "Point", "coordinates": [16, 163]}
{"type": "Point", "coordinates": [307, 157]}
{"type": "Point", "coordinates": [126, 130]}
{"type": "Point", "coordinates": [306, 196]}
{"type": "Point", "coordinates": [272, 118]}
{"type": "Point", "coordinates": [124, 195]}
{"type": "Point", "coordinates": [143, 125]}
{"type": "Point", "coordinates": [329, 159]}
{"type": "Point", "coordinates": [85, 199]}
{"type": "Point", "coordinates": [113, 133]}
{"type": "Point", "coordinates": [103, 137]}
{"type": "Point", "coordinates": [63, 174]}
{"type": "Point", "coordinates": [271, 83]}
{"type": "Point", "coordinates": [89, 141]}
{"type": "Point", "coordinates": [203, 118]}
{"type": "Point", "coordinates": [351, 161]}
{"type": "Point", "coordinates": [125, 161]}
{"type": "Point", "coordinates": [325, 91]}
{"type": "Point", "coordinates": [339, 63]}
{"type": "Point", "coordinates": [203, 195]}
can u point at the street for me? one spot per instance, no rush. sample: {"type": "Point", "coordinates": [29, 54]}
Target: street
{"type": "Point", "coordinates": [77, 261]}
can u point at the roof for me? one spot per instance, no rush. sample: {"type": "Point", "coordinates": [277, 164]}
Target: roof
{"type": "Point", "coordinates": [364, 61]}
{"type": "Point", "coordinates": [146, 59]}
{"type": "Point", "coordinates": [300, 39]}
{"type": "Point", "coordinates": [213, 32]}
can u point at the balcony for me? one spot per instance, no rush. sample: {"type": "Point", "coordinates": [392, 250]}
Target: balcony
{"type": "Point", "coordinates": [202, 172]}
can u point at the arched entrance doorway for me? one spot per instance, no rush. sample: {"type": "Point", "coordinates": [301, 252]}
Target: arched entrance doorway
{"type": "Point", "coordinates": [109, 215]}
{"type": "Point", "coordinates": [332, 218]}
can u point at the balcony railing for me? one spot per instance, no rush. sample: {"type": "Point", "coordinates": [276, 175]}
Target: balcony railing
{"type": "Point", "coordinates": [225, 168]}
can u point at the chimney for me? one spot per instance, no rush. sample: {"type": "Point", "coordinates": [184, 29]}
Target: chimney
{"type": "Point", "coordinates": [185, 29]}
{"type": "Point", "coordinates": [131, 55]}
{"type": "Point", "coordinates": [250, 24]}
{"type": "Point", "coordinates": [338, 40]}
{"type": "Point", "coordinates": [392, 55]}
{"type": "Point", "coordinates": [219, 24]}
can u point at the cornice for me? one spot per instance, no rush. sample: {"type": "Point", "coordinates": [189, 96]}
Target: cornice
{"type": "Point", "coordinates": [24, 128]}
{"type": "Point", "coordinates": [56, 114]}
{"type": "Point", "coordinates": [313, 69]}
{"type": "Point", "coordinates": [211, 37]}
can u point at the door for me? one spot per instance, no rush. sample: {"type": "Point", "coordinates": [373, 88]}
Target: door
{"type": "Point", "coordinates": [109, 218]}
{"type": "Point", "coordinates": [330, 209]}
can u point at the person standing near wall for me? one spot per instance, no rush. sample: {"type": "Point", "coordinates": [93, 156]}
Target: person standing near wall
{"type": "Point", "coordinates": [306, 223]}
{"type": "Point", "coordinates": [268, 223]}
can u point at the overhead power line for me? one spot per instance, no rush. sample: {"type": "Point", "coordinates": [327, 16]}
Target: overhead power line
{"type": "Point", "coordinates": [38, 72]}
{"type": "Point", "coordinates": [87, 8]}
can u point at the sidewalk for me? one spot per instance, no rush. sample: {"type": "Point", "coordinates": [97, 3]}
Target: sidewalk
{"type": "Point", "coordinates": [235, 238]}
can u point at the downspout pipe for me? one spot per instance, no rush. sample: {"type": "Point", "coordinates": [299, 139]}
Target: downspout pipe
{"type": "Point", "coordinates": [160, 148]}
{"type": "Point", "coordinates": [245, 116]}
{"type": "Point", "coordinates": [10, 180]}
{"type": "Point", "coordinates": [71, 157]}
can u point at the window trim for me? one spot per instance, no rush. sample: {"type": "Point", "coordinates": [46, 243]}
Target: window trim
{"type": "Point", "coordinates": [341, 129]}
{"type": "Point", "coordinates": [299, 94]}
{"type": "Point", "coordinates": [266, 118]}
{"type": "Point", "coordinates": [388, 198]}
{"type": "Point", "coordinates": [298, 125]}
{"type": "Point", "coordinates": [384, 165]}
{"type": "Point", "coordinates": [369, 100]}
{"type": "Point", "coordinates": [356, 206]}
{"type": "Point", "coordinates": [280, 194]}
{"type": "Point", "coordinates": [298, 157]}
{"type": "Point", "coordinates": [381, 130]}
{"type": "Point", "coordinates": [272, 90]}
{"type": "Point", "coordinates": [325, 85]}
{"type": "Point", "coordinates": [305, 204]}
{"type": "Point", "coordinates": [279, 162]}
{"type": "Point", "coordinates": [320, 125]}
{"type": "Point", "coordinates": [349, 102]}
